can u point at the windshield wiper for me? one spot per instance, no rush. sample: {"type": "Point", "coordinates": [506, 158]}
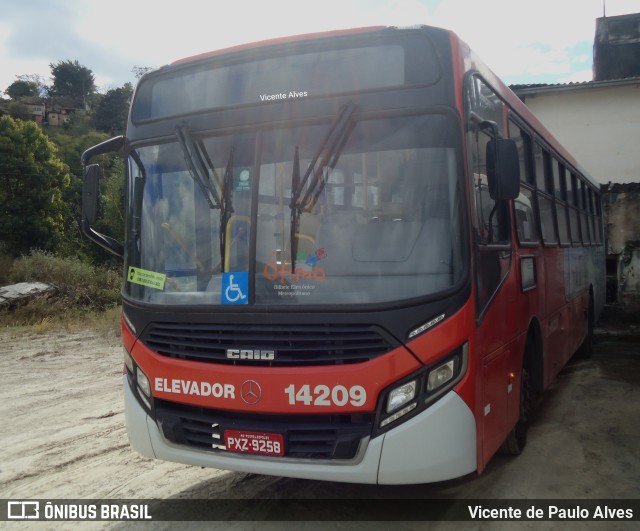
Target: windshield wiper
{"type": "Point", "coordinates": [226, 206]}
{"type": "Point", "coordinates": [330, 151]}
{"type": "Point", "coordinates": [195, 157]}
{"type": "Point", "coordinates": [324, 160]}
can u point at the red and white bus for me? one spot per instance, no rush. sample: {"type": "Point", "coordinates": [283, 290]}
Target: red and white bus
{"type": "Point", "coordinates": [350, 256]}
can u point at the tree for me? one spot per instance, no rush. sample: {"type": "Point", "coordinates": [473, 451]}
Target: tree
{"type": "Point", "coordinates": [72, 79]}
{"type": "Point", "coordinates": [27, 85]}
{"type": "Point", "coordinates": [21, 89]}
{"type": "Point", "coordinates": [71, 143]}
{"type": "Point", "coordinates": [32, 183]}
{"type": "Point", "coordinates": [111, 114]}
{"type": "Point", "coordinates": [139, 71]}
{"type": "Point", "coordinates": [17, 109]}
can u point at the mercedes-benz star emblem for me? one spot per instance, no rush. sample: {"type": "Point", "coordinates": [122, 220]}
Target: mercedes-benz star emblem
{"type": "Point", "coordinates": [251, 392]}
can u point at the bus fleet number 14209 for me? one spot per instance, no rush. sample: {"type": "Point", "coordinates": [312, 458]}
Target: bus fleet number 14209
{"type": "Point", "coordinates": [323, 395]}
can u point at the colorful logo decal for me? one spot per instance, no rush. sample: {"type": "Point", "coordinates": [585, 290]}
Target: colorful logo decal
{"type": "Point", "coordinates": [298, 282]}
{"type": "Point", "coordinates": [306, 268]}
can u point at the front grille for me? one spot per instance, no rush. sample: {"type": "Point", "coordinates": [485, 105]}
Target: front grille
{"type": "Point", "coordinates": [294, 345]}
{"type": "Point", "coordinates": [305, 436]}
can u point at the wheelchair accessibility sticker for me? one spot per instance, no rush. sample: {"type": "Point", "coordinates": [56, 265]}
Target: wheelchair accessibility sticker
{"type": "Point", "coordinates": [235, 287]}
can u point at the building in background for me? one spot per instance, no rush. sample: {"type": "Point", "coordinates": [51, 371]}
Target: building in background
{"type": "Point", "coordinates": [599, 122]}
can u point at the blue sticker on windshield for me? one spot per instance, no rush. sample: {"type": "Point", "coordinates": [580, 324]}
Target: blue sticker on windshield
{"type": "Point", "coordinates": [235, 287]}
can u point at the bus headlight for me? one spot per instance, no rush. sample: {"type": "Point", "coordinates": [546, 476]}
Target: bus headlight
{"type": "Point", "coordinates": [143, 382]}
{"type": "Point", "coordinates": [401, 400]}
{"type": "Point", "coordinates": [401, 395]}
{"type": "Point", "coordinates": [441, 375]}
{"type": "Point", "coordinates": [421, 389]}
{"type": "Point", "coordinates": [128, 361]}
{"type": "Point", "coordinates": [144, 388]}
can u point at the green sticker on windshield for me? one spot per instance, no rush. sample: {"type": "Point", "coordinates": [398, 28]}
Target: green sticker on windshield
{"type": "Point", "coordinates": [243, 180]}
{"type": "Point", "coordinates": [147, 278]}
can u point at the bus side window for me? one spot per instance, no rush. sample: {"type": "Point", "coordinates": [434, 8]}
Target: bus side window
{"type": "Point", "coordinates": [491, 216]}
{"type": "Point", "coordinates": [556, 179]}
{"type": "Point", "coordinates": [546, 210]}
{"type": "Point", "coordinates": [526, 226]}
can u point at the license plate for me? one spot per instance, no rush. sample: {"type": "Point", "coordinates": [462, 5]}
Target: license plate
{"type": "Point", "coordinates": [254, 442]}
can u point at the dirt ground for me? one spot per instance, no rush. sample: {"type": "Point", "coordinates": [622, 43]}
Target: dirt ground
{"type": "Point", "coordinates": [63, 437]}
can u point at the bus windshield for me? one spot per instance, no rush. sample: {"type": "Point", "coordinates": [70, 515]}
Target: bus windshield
{"type": "Point", "coordinates": [230, 219]}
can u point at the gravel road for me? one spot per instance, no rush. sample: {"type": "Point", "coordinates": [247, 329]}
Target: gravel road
{"type": "Point", "coordinates": [63, 437]}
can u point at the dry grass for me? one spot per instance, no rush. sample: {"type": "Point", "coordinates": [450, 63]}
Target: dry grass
{"type": "Point", "coordinates": [106, 323]}
{"type": "Point", "coordinates": [86, 297]}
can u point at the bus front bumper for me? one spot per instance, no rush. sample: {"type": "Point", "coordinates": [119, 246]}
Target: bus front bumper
{"type": "Point", "coordinates": [436, 445]}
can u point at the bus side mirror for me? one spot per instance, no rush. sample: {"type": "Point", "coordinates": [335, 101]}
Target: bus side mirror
{"type": "Point", "coordinates": [90, 193]}
{"type": "Point", "coordinates": [503, 169]}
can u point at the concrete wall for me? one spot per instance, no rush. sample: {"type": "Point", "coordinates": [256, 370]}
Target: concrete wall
{"type": "Point", "coordinates": [599, 124]}
{"type": "Point", "coordinates": [621, 206]}
{"type": "Point", "coordinates": [616, 48]}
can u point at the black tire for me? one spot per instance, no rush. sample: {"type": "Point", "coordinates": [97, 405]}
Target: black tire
{"type": "Point", "coordinates": [585, 350]}
{"type": "Point", "coordinates": [517, 439]}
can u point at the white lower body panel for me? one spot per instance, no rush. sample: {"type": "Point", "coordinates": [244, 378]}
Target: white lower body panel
{"type": "Point", "coordinates": [437, 444]}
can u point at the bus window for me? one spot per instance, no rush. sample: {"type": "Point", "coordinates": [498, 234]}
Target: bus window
{"type": "Point", "coordinates": [539, 163]}
{"type": "Point", "coordinates": [547, 222]}
{"type": "Point", "coordinates": [572, 201]}
{"type": "Point", "coordinates": [525, 217]}
{"type": "Point", "coordinates": [546, 209]}
{"type": "Point", "coordinates": [564, 234]}
{"type": "Point", "coordinates": [579, 191]}
{"type": "Point", "coordinates": [492, 221]}
{"type": "Point", "coordinates": [523, 143]}
{"type": "Point", "coordinates": [526, 226]}
{"type": "Point", "coordinates": [491, 218]}
{"type": "Point", "coordinates": [582, 204]}
{"type": "Point", "coordinates": [557, 172]}
{"type": "Point", "coordinates": [592, 219]}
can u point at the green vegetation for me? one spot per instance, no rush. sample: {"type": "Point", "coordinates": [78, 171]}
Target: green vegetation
{"type": "Point", "coordinates": [72, 79]}
{"type": "Point", "coordinates": [40, 194]}
{"type": "Point", "coordinates": [34, 181]}
{"type": "Point", "coordinates": [84, 293]}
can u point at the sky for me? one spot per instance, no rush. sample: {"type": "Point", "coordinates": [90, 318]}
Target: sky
{"type": "Point", "coordinates": [532, 41]}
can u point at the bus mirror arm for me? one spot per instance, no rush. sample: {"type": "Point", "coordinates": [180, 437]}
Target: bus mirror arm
{"type": "Point", "coordinates": [108, 146]}
{"type": "Point", "coordinates": [110, 244]}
